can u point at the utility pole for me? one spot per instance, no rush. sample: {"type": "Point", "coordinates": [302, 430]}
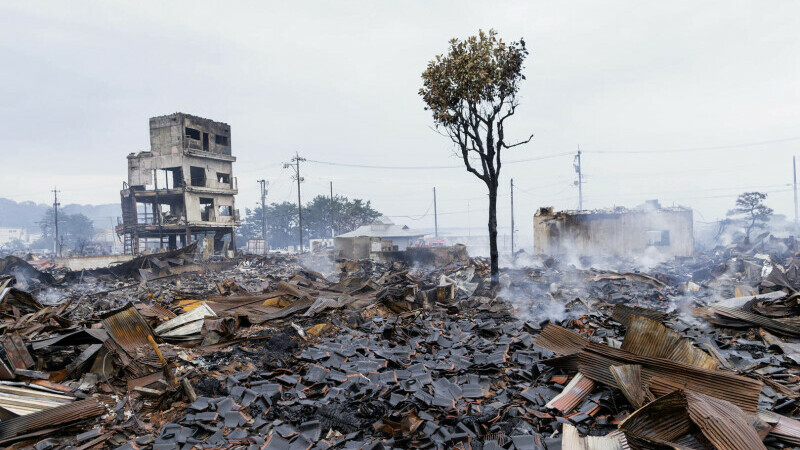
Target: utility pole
{"type": "Point", "coordinates": [56, 247]}
{"type": "Point", "coordinates": [332, 232]}
{"type": "Point", "coordinates": [435, 216]}
{"type": "Point", "coordinates": [296, 166]}
{"type": "Point", "coordinates": [794, 175]}
{"type": "Point", "coordinates": [263, 184]}
{"type": "Point", "coordinates": [512, 218]}
{"type": "Point", "coordinates": [579, 182]}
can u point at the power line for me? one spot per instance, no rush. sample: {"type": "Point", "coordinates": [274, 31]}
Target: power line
{"type": "Point", "coordinates": [556, 155]}
{"type": "Point", "coordinates": [696, 149]}
{"type": "Point", "coordinates": [370, 166]}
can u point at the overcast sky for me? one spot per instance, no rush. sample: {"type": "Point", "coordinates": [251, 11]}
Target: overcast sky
{"type": "Point", "coordinates": [718, 81]}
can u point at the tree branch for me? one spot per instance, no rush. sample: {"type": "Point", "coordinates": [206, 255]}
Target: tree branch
{"type": "Point", "coordinates": [518, 143]}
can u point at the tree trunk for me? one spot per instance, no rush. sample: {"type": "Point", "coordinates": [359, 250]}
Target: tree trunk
{"type": "Point", "coordinates": [747, 234]}
{"type": "Point", "coordinates": [493, 253]}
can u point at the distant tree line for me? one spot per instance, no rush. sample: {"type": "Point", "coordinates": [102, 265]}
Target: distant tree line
{"type": "Point", "coordinates": [75, 231]}
{"type": "Point", "coordinates": [282, 220]}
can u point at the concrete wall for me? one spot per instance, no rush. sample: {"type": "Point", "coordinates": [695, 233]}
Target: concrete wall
{"type": "Point", "coordinates": [91, 262]}
{"type": "Point", "coordinates": [141, 166]}
{"type": "Point", "coordinates": [168, 134]}
{"type": "Point", "coordinates": [353, 247]}
{"type": "Point", "coordinates": [194, 209]}
{"type": "Point", "coordinates": [613, 233]}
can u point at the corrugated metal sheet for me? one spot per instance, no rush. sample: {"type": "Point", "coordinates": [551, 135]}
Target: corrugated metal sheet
{"type": "Point", "coordinates": [573, 394]}
{"type": "Point", "coordinates": [572, 440]}
{"type": "Point", "coordinates": [128, 329]}
{"type": "Point", "coordinates": [187, 323]}
{"type": "Point", "coordinates": [662, 421]}
{"type": "Point", "coordinates": [784, 428]}
{"type": "Point", "coordinates": [646, 337]}
{"type": "Point", "coordinates": [722, 423]}
{"type": "Point", "coordinates": [629, 381]}
{"type": "Point", "coordinates": [671, 420]}
{"type": "Point", "coordinates": [57, 416]}
{"type": "Point", "coordinates": [770, 324]}
{"type": "Point", "coordinates": [22, 400]}
{"type": "Point", "coordinates": [623, 313]}
{"type": "Point", "coordinates": [596, 360]}
{"type": "Point", "coordinates": [155, 311]}
{"type": "Point", "coordinates": [560, 340]}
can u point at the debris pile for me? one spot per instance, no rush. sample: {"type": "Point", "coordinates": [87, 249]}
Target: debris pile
{"type": "Point", "coordinates": [264, 352]}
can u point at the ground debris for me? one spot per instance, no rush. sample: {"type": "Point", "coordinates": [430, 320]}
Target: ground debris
{"type": "Point", "coordinates": [263, 352]}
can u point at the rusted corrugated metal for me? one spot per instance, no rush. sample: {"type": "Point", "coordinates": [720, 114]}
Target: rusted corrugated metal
{"type": "Point", "coordinates": [722, 423]}
{"type": "Point", "coordinates": [52, 417]}
{"type": "Point", "coordinates": [596, 360]}
{"type": "Point", "coordinates": [784, 428]}
{"type": "Point", "coordinates": [674, 419]}
{"type": "Point", "coordinates": [573, 394]}
{"type": "Point", "coordinates": [572, 440]}
{"type": "Point", "coordinates": [560, 340]}
{"type": "Point", "coordinates": [765, 322]}
{"type": "Point", "coordinates": [646, 337]}
{"type": "Point", "coordinates": [660, 422]}
{"type": "Point", "coordinates": [629, 381]}
{"type": "Point", "coordinates": [155, 311]}
{"type": "Point", "coordinates": [128, 329]}
{"type": "Point", "coordinates": [623, 313]}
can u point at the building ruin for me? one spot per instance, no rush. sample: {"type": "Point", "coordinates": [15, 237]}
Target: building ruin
{"type": "Point", "coordinates": [617, 231]}
{"type": "Point", "coordinates": [182, 189]}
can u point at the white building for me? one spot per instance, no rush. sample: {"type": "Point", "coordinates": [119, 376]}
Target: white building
{"type": "Point", "coordinates": [375, 237]}
{"type": "Point", "coordinates": [9, 234]}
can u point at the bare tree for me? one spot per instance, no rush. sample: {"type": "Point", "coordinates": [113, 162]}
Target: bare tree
{"type": "Point", "coordinates": [472, 92]}
{"type": "Point", "coordinates": [750, 209]}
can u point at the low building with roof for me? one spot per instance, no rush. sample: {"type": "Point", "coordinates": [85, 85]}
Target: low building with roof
{"type": "Point", "coordinates": [381, 235]}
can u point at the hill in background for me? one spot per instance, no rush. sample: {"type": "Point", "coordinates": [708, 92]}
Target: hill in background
{"type": "Point", "coordinates": [28, 214]}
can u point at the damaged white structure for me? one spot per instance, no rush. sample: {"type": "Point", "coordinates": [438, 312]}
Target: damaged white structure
{"type": "Point", "coordinates": [381, 235]}
{"type": "Point", "coordinates": [617, 231]}
{"type": "Point", "coordinates": [181, 190]}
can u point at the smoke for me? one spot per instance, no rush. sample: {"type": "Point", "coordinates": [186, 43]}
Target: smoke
{"type": "Point", "coordinates": [650, 258]}
{"type": "Point", "coordinates": [555, 300]}
{"type": "Point", "coordinates": [320, 262]}
{"type": "Point", "coordinates": [681, 305]}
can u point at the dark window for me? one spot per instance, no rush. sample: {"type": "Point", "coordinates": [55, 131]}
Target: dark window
{"type": "Point", "coordinates": [197, 175]}
{"type": "Point", "coordinates": [206, 209]}
{"type": "Point", "coordinates": [177, 176]}
{"type": "Point", "coordinates": [658, 238]}
{"type": "Point", "coordinates": [221, 140]}
{"type": "Point", "coordinates": [224, 210]}
{"type": "Point", "coordinates": [191, 133]}
{"type": "Point", "coordinates": [205, 141]}
{"type": "Point", "coordinates": [224, 178]}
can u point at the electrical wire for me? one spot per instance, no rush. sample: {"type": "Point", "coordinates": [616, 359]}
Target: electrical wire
{"type": "Point", "coordinates": [370, 166]}
{"type": "Point", "coordinates": [419, 217]}
{"type": "Point", "coordinates": [695, 149]}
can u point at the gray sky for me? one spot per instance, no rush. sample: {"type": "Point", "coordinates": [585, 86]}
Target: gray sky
{"type": "Point", "coordinates": [338, 81]}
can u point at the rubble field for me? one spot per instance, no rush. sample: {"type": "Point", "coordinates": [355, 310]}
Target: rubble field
{"type": "Point", "coordinates": [169, 351]}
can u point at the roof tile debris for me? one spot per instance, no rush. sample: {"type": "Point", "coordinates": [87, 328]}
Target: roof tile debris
{"type": "Point", "coordinates": [265, 352]}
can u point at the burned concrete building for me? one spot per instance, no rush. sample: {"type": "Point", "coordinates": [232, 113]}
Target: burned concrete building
{"type": "Point", "coordinates": [182, 189]}
{"type": "Point", "coordinates": [618, 231]}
